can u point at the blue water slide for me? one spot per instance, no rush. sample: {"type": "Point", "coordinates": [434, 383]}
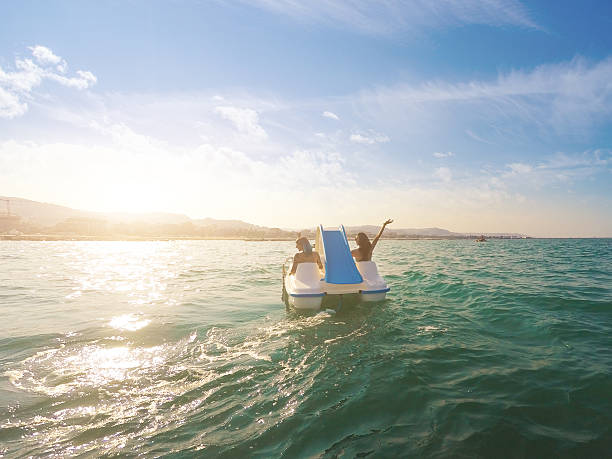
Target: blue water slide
{"type": "Point", "coordinates": [339, 264]}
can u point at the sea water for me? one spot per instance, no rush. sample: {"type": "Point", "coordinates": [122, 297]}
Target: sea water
{"type": "Point", "coordinates": [499, 349]}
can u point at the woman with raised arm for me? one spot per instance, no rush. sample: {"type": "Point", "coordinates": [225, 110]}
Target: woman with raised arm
{"type": "Point", "coordinates": [364, 249]}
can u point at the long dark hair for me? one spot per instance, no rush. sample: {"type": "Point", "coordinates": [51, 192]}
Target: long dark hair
{"type": "Point", "coordinates": [364, 244]}
{"type": "Point", "coordinates": [306, 247]}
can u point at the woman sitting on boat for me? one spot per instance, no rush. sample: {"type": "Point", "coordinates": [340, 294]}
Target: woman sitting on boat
{"type": "Point", "coordinates": [364, 249]}
{"type": "Point", "coordinates": [305, 254]}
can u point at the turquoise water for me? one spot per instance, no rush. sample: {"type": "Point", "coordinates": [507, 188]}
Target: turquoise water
{"type": "Point", "coordinates": [501, 349]}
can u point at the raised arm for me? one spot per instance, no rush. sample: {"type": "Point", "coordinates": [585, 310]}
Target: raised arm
{"type": "Point", "coordinates": [380, 233]}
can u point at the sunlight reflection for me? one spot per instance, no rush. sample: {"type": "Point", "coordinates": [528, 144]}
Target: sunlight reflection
{"type": "Point", "coordinates": [91, 365]}
{"type": "Point", "coordinates": [128, 322]}
{"type": "Point", "coordinates": [122, 383]}
{"type": "Point", "coordinates": [138, 270]}
{"type": "Point", "coordinates": [431, 330]}
{"type": "Point", "coordinates": [102, 365]}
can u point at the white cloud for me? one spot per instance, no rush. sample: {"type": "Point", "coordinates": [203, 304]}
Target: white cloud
{"type": "Point", "coordinates": [62, 67]}
{"type": "Point", "coordinates": [369, 138]}
{"type": "Point", "coordinates": [87, 76]}
{"type": "Point", "coordinates": [83, 81]}
{"type": "Point", "coordinates": [330, 115]}
{"type": "Point", "coordinates": [520, 168]}
{"type": "Point", "coordinates": [448, 154]}
{"type": "Point", "coordinates": [588, 159]}
{"type": "Point", "coordinates": [444, 174]}
{"type": "Point", "coordinates": [246, 120]}
{"type": "Point", "coordinates": [16, 86]}
{"type": "Point", "coordinates": [358, 138]}
{"type": "Point", "coordinates": [44, 56]}
{"type": "Point", "coordinates": [10, 105]}
{"type": "Point", "coordinates": [400, 16]}
{"type": "Point", "coordinates": [126, 138]}
{"type": "Point", "coordinates": [27, 76]}
{"type": "Point", "coordinates": [141, 173]}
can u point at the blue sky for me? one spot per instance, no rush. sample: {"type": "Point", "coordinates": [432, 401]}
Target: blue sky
{"type": "Point", "coordinates": [467, 115]}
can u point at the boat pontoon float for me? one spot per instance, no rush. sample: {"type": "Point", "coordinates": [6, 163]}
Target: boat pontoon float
{"type": "Point", "coordinates": [341, 274]}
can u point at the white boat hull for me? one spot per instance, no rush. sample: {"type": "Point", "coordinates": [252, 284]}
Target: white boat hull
{"type": "Point", "coordinates": [306, 303]}
{"type": "Point", "coordinates": [374, 286]}
{"type": "Point", "coordinates": [373, 297]}
{"type": "Point", "coordinates": [306, 289]}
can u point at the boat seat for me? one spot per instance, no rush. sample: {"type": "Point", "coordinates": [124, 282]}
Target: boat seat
{"type": "Point", "coordinates": [307, 274]}
{"type": "Point", "coordinates": [369, 272]}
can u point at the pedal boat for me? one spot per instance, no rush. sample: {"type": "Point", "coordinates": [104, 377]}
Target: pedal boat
{"type": "Point", "coordinates": [341, 275]}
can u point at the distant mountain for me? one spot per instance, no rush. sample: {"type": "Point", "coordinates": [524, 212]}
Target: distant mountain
{"type": "Point", "coordinates": [402, 232]}
{"type": "Point", "coordinates": [34, 216]}
{"type": "Point", "coordinates": [233, 224]}
{"type": "Point", "coordinates": [43, 213]}
{"type": "Point", "coordinates": [40, 215]}
{"type": "Point", "coordinates": [152, 217]}
{"type": "Point", "coordinates": [390, 232]}
{"type": "Point", "coordinates": [47, 214]}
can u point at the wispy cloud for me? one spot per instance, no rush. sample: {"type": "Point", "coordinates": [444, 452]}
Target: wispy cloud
{"type": "Point", "coordinates": [16, 86]}
{"type": "Point", "coordinates": [560, 99]}
{"type": "Point", "coordinates": [369, 138]}
{"type": "Point", "coordinates": [520, 168]}
{"type": "Point", "coordinates": [330, 115]}
{"type": "Point", "coordinates": [477, 137]}
{"type": "Point", "coordinates": [246, 120]}
{"type": "Point", "coordinates": [444, 174]}
{"type": "Point", "coordinates": [560, 168]}
{"type": "Point", "coordinates": [399, 16]}
{"type": "Point", "coordinates": [83, 80]}
{"type": "Point", "coordinates": [578, 77]}
{"type": "Point", "coordinates": [448, 154]}
{"type": "Point", "coordinates": [10, 104]}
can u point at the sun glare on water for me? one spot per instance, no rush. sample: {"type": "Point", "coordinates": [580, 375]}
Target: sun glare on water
{"type": "Point", "coordinates": [128, 322]}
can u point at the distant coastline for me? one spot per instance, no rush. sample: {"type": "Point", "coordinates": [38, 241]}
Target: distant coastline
{"type": "Point", "coordinates": [28, 220]}
{"type": "Point", "coordinates": [66, 237]}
